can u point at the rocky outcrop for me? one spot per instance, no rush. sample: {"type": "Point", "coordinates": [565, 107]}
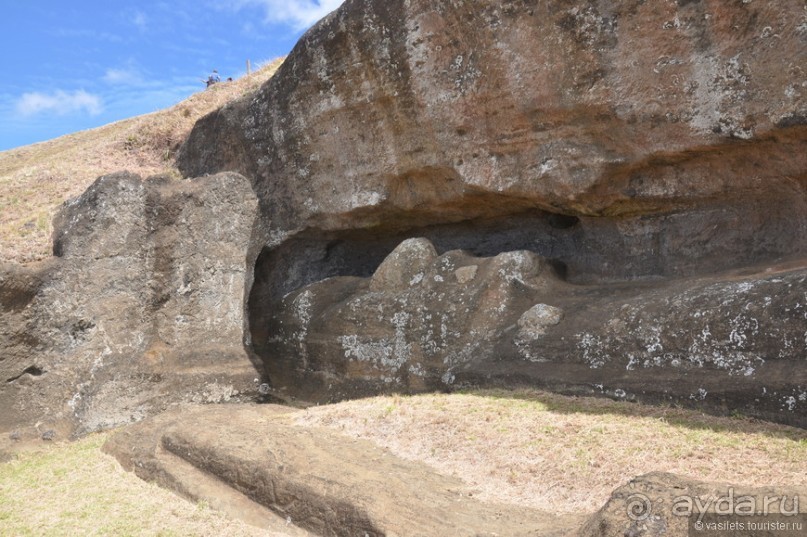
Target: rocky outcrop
{"type": "Point", "coordinates": [410, 327]}
{"type": "Point", "coordinates": [645, 163]}
{"type": "Point", "coordinates": [142, 308]}
{"type": "Point", "coordinates": [406, 113]}
{"type": "Point", "coordinates": [730, 343]}
{"type": "Point", "coordinates": [660, 504]}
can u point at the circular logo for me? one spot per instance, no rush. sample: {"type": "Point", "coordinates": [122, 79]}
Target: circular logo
{"type": "Point", "coordinates": [638, 506]}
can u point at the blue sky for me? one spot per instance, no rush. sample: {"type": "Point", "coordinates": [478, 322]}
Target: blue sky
{"type": "Point", "coordinates": [75, 65]}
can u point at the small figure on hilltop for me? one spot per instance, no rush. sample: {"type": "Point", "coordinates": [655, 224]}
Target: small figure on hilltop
{"type": "Point", "coordinates": [214, 78]}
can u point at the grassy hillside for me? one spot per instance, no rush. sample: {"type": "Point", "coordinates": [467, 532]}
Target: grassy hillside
{"type": "Point", "coordinates": [35, 180]}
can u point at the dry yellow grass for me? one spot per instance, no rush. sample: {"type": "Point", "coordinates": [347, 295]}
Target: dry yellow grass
{"type": "Point", "coordinates": [76, 490]}
{"type": "Point", "coordinates": [35, 180]}
{"type": "Point", "coordinates": [567, 454]}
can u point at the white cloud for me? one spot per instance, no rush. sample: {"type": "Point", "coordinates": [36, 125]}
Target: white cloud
{"type": "Point", "coordinates": [59, 103]}
{"type": "Point", "coordinates": [140, 20]}
{"type": "Point", "coordinates": [126, 76]}
{"type": "Point", "coordinates": [299, 14]}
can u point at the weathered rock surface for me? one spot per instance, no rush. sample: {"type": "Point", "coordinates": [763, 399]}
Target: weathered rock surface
{"type": "Point", "coordinates": [449, 110]}
{"type": "Point", "coordinates": [660, 504]}
{"type": "Point", "coordinates": [733, 343]}
{"type": "Point", "coordinates": [142, 308]}
{"type": "Point", "coordinates": [319, 480]}
{"type": "Point", "coordinates": [403, 114]}
{"type": "Point", "coordinates": [654, 154]}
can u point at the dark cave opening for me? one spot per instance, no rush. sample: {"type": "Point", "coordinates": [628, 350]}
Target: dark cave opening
{"type": "Point", "coordinates": [33, 371]}
{"type": "Point", "coordinates": [315, 255]}
{"type": "Point", "coordinates": [562, 221]}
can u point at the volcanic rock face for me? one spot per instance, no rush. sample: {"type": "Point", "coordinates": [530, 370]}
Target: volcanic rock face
{"type": "Point", "coordinates": [640, 166]}
{"type": "Point", "coordinates": [408, 328]}
{"type": "Point", "coordinates": [450, 110]}
{"type": "Point", "coordinates": [118, 325]}
{"type": "Point", "coordinates": [606, 198]}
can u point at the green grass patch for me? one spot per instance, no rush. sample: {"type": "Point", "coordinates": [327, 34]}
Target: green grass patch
{"type": "Point", "coordinates": [76, 490]}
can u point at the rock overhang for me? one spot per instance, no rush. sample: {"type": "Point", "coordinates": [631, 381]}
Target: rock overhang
{"type": "Point", "coordinates": [653, 147]}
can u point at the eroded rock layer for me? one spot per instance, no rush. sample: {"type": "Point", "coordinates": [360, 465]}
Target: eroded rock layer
{"type": "Point", "coordinates": [141, 309]}
{"type": "Point", "coordinates": [447, 110]}
{"type": "Point", "coordinates": [732, 343]}
{"type": "Point", "coordinates": [642, 164]}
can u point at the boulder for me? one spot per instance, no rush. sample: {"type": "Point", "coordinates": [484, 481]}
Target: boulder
{"type": "Point", "coordinates": [142, 307]}
{"type": "Point", "coordinates": [661, 504]}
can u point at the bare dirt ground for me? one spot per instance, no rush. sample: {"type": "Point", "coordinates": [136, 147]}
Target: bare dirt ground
{"type": "Point", "coordinates": [36, 179]}
{"type": "Point", "coordinates": [322, 481]}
